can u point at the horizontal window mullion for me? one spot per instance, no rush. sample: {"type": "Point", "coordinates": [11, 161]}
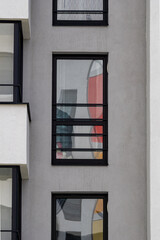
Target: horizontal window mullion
{"type": "Point", "coordinates": [89, 120]}
{"type": "Point", "coordinates": [80, 162]}
{"type": "Point", "coordinates": [80, 149]}
{"type": "Point", "coordinates": [79, 134]}
{"type": "Point", "coordinates": [80, 122]}
{"type": "Point", "coordinates": [80, 104]}
{"type": "Point", "coordinates": [80, 11]}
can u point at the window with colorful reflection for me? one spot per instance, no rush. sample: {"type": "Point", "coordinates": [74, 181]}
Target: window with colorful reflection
{"type": "Point", "coordinates": [79, 109]}
{"type": "Point", "coordinates": [77, 217]}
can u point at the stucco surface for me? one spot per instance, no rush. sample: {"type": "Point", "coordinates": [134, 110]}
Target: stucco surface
{"type": "Point", "coordinates": [125, 177]}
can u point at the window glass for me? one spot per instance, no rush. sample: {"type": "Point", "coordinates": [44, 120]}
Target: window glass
{"type": "Point", "coordinates": [79, 108]}
{"type": "Point", "coordinates": [79, 218]}
{"type": "Point", "coordinates": [80, 81]}
{"type": "Point", "coordinates": [6, 61]}
{"type": "Point", "coordinates": [5, 202]}
{"type": "Point", "coordinates": [80, 10]}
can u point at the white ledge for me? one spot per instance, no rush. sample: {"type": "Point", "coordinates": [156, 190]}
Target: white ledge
{"type": "Point", "coordinates": [17, 10]}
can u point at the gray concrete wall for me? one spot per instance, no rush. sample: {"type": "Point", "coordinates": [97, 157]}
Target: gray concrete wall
{"type": "Point", "coordinates": [125, 177]}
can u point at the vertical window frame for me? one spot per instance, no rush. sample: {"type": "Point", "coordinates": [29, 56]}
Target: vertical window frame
{"type": "Point", "coordinates": [104, 122]}
{"type": "Point", "coordinates": [73, 195]}
{"type": "Point", "coordinates": [56, 22]}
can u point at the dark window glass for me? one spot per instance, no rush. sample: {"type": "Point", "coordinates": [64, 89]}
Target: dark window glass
{"type": "Point", "coordinates": [80, 12]}
{"type": "Point", "coordinates": [79, 110]}
{"type": "Point", "coordinates": [78, 217]}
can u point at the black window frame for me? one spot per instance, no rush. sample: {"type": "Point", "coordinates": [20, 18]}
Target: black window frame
{"type": "Point", "coordinates": [56, 22]}
{"type": "Point", "coordinates": [102, 195]}
{"type": "Point", "coordinates": [16, 203]}
{"type": "Point", "coordinates": [17, 63]}
{"type": "Point", "coordinates": [103, 122]}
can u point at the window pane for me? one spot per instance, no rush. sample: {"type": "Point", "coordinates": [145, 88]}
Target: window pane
{"type": "Point", "coordinates": [6, 61]}
{"type": "Point", "coordinates": [79, 155]}
{"type": "Point", "coordinates": [79, 142]}
{"type": "Point", "coordinates": [94, 141]}
{"type": "Point", "coordinates": [81, 5]}
{"type": "Point", "coordinates": [84, 219]}
{"type": "Point", "coordinates": [5, 202]}
{"type": "Point", "coordinates": [6, 236]}
{"type": "Point", "coordinates": [66, 129]}
{"type": "Point", "coordinates": [79, 81]}
{"type": "Point", "coordinates": [74, 112]}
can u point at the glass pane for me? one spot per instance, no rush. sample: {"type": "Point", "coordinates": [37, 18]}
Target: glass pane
{"type": "Point", "coordinates": [80, 5]}
{"type": "Point", "coordinates": [79, 142]}
{"type": "Point", "coordinates": [67, 129]}
{"type": "Point", "coordinates": [6, 61]}
{"type": "Point", "coordinates": [79, 81]}
{"type": "Point", "coordinates": [5, 201]}
{"type": "Point", "coordinates": [74, 112]}
{"type": "Point", "coordinates": [68, 141]}
{"type": "Point", "coordinates": [79, 155]}
{"type": "Point", "coordinates": [6, 236]}
{"type": "Point", "coordinates": [79, 218]}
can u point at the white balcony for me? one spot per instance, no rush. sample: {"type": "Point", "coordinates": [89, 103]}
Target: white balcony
{"type": "Point", "coordinates": [17, 10]}
{"type": "Point", "coordinates": [14, 136]}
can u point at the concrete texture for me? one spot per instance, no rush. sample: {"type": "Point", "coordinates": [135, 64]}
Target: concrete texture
{"type": "Point", "coordinates": [125, 177]}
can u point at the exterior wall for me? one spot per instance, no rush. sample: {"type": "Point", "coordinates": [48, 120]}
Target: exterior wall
{"type": "Point", "coordinates": [17, 10]}
{"type": "Point", "coordinates": [153, 118]}
{"type": "Point", "coordinates": [13, 137]}
{"type": "Point", "coordinates": [125, 177]}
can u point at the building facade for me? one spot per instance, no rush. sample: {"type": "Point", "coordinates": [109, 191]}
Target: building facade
{"type": "Point", "coordinates": [79, 129]}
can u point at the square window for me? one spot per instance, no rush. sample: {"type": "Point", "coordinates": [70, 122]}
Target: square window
{"type": "Point", "coordinates": [80, 12]}
{"type": "Point", "coordinates": [86, 218]}
{"type": "Point", "coordinates": [79, 113]}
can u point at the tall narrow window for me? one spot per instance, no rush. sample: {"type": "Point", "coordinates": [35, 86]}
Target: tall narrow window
{"type": "Point", "coordinates": [80, 12]}
{"type": "Point", "coordinates": [10, 62]}
{"type": "Point", "coordinates": [10, 203]}
{"type": "Point", "coordinates": [79, 110]}
{"type": "Point", "coordinates": [79, 216]}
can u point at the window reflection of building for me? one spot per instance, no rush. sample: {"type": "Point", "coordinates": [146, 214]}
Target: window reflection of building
{"type": "Point", "coordinates": [84, 219]}
{"type": "Point", "coordinates": [95, 96]}
{"type": "Point", "coordinates": [79, 95]}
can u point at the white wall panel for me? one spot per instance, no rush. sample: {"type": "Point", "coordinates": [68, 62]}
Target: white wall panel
{"type": "Point", "coordinates": [17, 10]}
{"type": "Point", "coordinates": [14, 136]}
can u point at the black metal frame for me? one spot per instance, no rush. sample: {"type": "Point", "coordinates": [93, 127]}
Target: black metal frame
{"type": "Point", "coordinates": [16, 203]}
{"type": "Point", "coordinates": [17, 64]}
{"type": "Point", "coordinates": [85, 122]}
{"type": "Point", "coordinates": [103, 195]}
{"type": "Point", "coordinates": [56, 22]}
